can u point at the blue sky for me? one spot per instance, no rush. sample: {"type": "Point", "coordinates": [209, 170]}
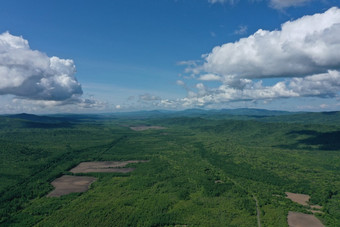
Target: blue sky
{"type": "Point", "coordinates": [133, 55]}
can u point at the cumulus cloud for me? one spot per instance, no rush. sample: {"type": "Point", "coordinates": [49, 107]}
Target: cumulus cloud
{"type": "Point", "coordinates": [305, 46]}
{"type": "Point", "coordinates": [319, 85]}
{"type": "Point", "coordinates": [31, 74]}
{"type": "Point", "coordinates": [304, 55]}
{"type": "Point", "coordinates": [322, 85]}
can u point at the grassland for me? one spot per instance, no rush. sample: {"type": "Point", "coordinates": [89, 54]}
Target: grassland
{"type": "Point", "coordinates": [206, 170]}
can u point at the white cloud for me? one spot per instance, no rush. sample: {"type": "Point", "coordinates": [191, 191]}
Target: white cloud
{"type": "Point", "coordinates": [305, 53]}
{"type": "Point", "coordinates": [148, 97]}
{"type": "Point", "coordinates": [20, 105]}
{"type": "Point", "coordinates": [209, 77]}
{"type": "Point", "coordinates": [223, 1]}
{"type": "Point", "coordinates": [30, 74]}
{"type": "Point", "coordinates": [188, 63]}
{"type": "Point", "coordinates": [281, 4]}
{"type": "Point", "coordinates": [242, 29]}
{"type": "Point", "coordinates": [324, 106]}
{"type": "Point", "coordinates": [319, 85]}
{"type": "Point", "coordinates": [276, 4]}
{"type": "Point", "coordinates": [322, 85]}
{"type": "Point", "coordinates": [305, 46]}
{"type": "Point", "coordinates": [180, 83]}
{"type": "Point", "coordinates": [81, 103]}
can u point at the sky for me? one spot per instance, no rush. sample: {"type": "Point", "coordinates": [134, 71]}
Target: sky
{"type": "Point", "coordinates": [86, 56]}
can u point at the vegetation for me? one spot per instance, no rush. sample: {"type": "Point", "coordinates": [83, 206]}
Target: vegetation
{"type": "Point", "coordinates": [204, 169]}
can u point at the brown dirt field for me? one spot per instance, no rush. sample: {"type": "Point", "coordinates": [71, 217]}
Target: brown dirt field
{"type": "Point", "coordinates": [104, 167]}
{"type": "Point", "coordinates": [296, 219]}
{"type": "Point", "coordinates": [298, 198]}
{"type": "Point", "coordinates": [143, 128]}
{"type": "Point", "coordinates": [108, 170]}
{"type": "Point", "coordinates": [68, 184]}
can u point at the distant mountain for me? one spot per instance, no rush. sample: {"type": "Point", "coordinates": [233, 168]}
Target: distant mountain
{"type": "Point", "coordinates": [200, 113]}
{"type": "Point", "coordinates": [236, 114]}
{"type": "Point", "coordinates": [254, 112]}
{"type": "Point", "coordinates": [33, 117]}
{"type": "Point", "coordinates": [80, 117]}
{"type": "Point", "coordinates": [331, 118]}
{"type": "Point", "coordinates": [143, 114]}
{"type": "Point", "coordinates": [35, 121]}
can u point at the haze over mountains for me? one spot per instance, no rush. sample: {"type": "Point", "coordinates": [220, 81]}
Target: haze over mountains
{"type": "Point", "coordinates": [330, 117]}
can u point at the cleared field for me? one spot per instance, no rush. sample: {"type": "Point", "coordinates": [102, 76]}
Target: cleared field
{"type": "Point", "coordinates": [105, 167]}
{"type": "Point", "coordinates": [143, 128]}
{"type": "Point", "coordinates": [68, 184]}
{"type": "Point", "coordinates": [296, 219]}
{"type": "Point", "coordinates": [298, 198]}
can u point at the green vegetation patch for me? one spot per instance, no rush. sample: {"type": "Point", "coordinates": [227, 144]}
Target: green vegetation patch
{"type": "Point", "coordinates": [200, 171]}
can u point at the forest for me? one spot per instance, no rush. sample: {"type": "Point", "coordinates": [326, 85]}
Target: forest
{"type": "Point", "coordinates": [203, 168]}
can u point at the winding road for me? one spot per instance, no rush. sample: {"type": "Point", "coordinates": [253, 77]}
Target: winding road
{"type": "Point", "coordinates": [257, 211]}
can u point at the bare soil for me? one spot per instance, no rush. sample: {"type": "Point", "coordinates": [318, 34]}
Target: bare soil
{"type": "Point", "coordinates": [143, 128]}
{"type": "Point", "coordinates": [104, 167]}
{"type": "Point", "coordinates": [296, 219]}
{"type": "Point", "coordinates": [68, 184]}
{"type": "Point", "coordinates": [298, 198]}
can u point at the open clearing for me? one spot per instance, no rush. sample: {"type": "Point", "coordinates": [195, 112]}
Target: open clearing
{"type": "Point", "coordinates": [299, 219]}
{"type": "Point", "coordinates": [143, 128]}
{"type": "Point", "coordinates": [68, 184]}
{"type": "Point", "coordinates": [105, 167]}
{"type": "Point", "coordinates": [298, 198]}
{"type": "Point", "coordinates": [296, 219]}
{"type": "Point", "coordinates": [303, 200]}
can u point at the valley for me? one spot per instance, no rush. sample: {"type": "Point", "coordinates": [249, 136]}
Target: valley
{"type": "Point", "coordinates": [185, 169]}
